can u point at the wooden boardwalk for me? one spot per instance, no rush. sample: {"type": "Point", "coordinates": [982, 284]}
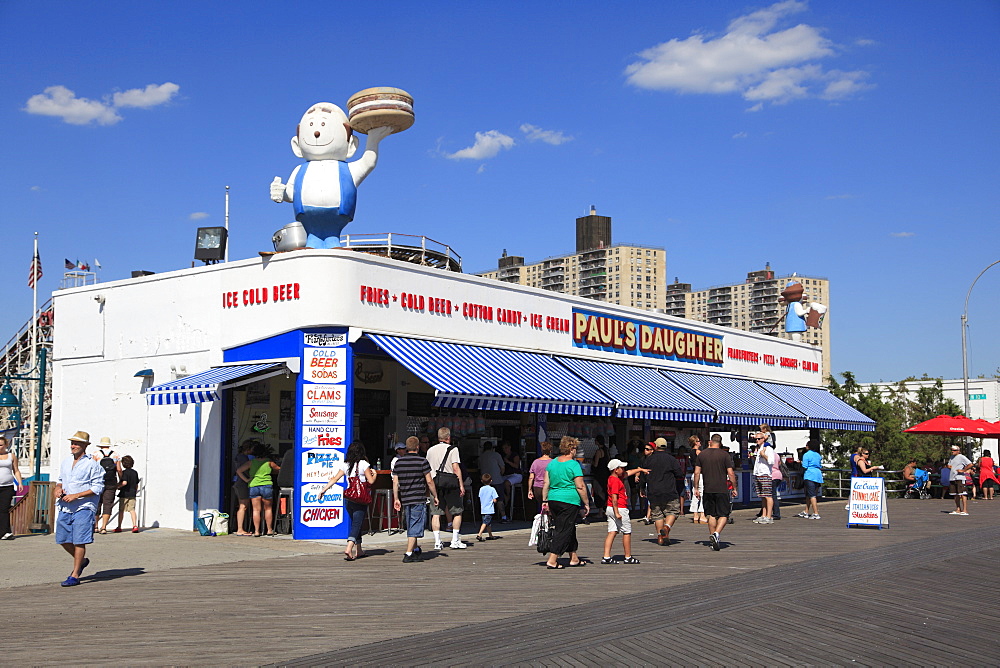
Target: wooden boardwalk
{"type": "Point", "coordinates": [798, 592]}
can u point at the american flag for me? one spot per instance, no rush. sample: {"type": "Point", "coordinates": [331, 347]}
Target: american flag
{"type": "Point", "coordinates": [35, 271]}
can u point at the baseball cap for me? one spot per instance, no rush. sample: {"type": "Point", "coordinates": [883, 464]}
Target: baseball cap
{"type": "Point", "coordinates": [400, 446]}
{"type": "Point", "coordinates": [615, 463]}
{"type": "Point", "coordinates": [660, 442]}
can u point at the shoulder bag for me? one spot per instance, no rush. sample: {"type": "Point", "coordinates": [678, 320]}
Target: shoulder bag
{"type": "Point", "coordinates": [446, 480]}
{"type": "Point", "coordinates": [359, 490]}
{"type": "Point", "coordinates": [543, 536]}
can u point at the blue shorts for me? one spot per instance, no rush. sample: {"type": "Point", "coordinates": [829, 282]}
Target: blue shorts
{"type": "Point", "coordinates": [262, 491]}
{"type": "Point", "coordinates": [416, 518]}
{"type": "Point", "coordinates": [488, 519]}
{"type": "Point", "coordinates": [75, 528]}
{"type": "Point", "coordinates": [813, 489]}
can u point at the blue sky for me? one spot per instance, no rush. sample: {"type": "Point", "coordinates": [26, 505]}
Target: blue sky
{"type": "Point", "coordinates": [855, 141]}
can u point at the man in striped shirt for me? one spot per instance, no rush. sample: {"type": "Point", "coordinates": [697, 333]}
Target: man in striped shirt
{"type": "Point", "coordinates": [412, 483]}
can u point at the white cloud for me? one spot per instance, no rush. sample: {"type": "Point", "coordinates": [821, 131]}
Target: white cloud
{"type": "Point", "coordinates": [535, 133]}
{"type": "Point", "coordinates": [487, 145]}
{"type": "Point", "coordinates": [63, 103]}
{"type": "Point", "coordinates": [198, 215]}
{"type": "Point", "coordinates": [482, 168]}
{"type": "Point", "coordinates": [150, 96]}
{"type": "Point", "coordinates": [753, 58]}
{"type": "Point", "coordinates": [36, 188]}
{"type": "Point", "coordinates": [844, 196]}
{"type": "Point", "coordinates": [842, 85]}
{"type": "Point", "coordinates": [740, 135]}
{"type": "Point", "coordinates": [902, 235]}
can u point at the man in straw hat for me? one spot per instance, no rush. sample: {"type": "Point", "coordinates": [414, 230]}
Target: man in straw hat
{"type": "Point", "coordinates": [79, 486]}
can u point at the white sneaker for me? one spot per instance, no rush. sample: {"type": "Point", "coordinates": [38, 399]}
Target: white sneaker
{"type": "Point", "coordinates": [7, 536]}
{"type": "Point", "coordinates": [963, 513]}
{"type": "Point", "coordinates": [955, 512]}
{"type": "Point", "coordinates": [803, 514]}
{"type": "Point", "coordinates": [767, 520]}
{"type": "Point", "coordinates": [438, 546]}
{"type": "Point", "coordinates": [458, 546]}
{"type": "Point", "coordinates": [814, 517]}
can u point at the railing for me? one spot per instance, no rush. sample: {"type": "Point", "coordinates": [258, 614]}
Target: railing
{"type": "Point", "coordinates": [406, 247]}
{"type": "Point", "coordinates": [837, 482]}
{"type": "Point", "coordinates": [35, 512]}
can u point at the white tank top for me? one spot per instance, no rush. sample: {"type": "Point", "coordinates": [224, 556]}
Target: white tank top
{"type": "Point", "coordinates": [7, 471]}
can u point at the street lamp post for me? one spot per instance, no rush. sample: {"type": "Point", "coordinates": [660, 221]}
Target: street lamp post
{"type": "Point", "coordinates": [965, 351]}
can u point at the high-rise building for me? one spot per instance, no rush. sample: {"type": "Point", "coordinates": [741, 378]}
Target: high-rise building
{"type": "Point", "coordinates": [636, 276]}
{"type": "Point", "coordinates": [617, 273]}
{"type": "Point", "coordinates": [753, 305]}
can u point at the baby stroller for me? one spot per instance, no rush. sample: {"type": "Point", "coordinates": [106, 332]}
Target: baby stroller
{"type": "Point", "coordinates": [920, 487]}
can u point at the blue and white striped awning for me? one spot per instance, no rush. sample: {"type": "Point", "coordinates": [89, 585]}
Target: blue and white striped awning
{"type": "Point", "coordinates": [739, 400]}
{"type": "Point", "coordinates": [205, 386]}
{"type": "Point", "coordinates": [473, 377]}
{"type": "Point", "coordinates": [641, 392]}
{"type": "Point", "coordinates": [823, 410]}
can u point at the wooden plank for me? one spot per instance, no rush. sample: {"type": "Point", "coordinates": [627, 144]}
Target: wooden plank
{"type": "Point", "coordinates": [431, 613]}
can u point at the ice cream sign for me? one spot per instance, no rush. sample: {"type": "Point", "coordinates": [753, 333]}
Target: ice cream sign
{"type": "Point", "coordinates": [634, 337]}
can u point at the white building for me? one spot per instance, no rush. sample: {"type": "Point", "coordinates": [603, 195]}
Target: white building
{"type": "Point", "coordinates": [984, 394]}
{"type": "Point", "coordinates": [310, 349]}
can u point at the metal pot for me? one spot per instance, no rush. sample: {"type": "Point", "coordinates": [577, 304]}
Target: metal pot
{"type": "Point", "coordinates": [290, 237]}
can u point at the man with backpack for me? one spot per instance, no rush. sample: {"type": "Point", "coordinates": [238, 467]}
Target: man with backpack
{"type": "Point", "coordinates": [112, 465]}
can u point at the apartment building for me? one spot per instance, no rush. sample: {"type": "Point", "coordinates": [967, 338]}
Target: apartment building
{"type": "Point", "coordinates": [628, 274]}
{"type": "Point", "coordinates": [752, 305]}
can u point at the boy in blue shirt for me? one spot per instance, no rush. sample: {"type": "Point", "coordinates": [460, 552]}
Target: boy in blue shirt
{"type": "Point", "coordinates": [487, 506]}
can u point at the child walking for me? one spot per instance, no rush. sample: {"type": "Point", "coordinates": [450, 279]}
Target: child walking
{"type": "Point", "coordinates": [487, 507]}
{"type": "Point", "coordinates": [617, 512]}
{"type": "Point", "coordinates": [128, 489]}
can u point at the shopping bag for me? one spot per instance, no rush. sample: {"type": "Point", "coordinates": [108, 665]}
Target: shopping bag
{"type": "Point", "coordinates": [533, 536]}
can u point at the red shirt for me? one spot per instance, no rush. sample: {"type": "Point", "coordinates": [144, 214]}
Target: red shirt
{"type": "Point", "coordinates": [616, 486]}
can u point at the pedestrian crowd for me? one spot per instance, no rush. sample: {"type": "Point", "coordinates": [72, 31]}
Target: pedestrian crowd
{"type": "Point", "coordinates": [431, 478]}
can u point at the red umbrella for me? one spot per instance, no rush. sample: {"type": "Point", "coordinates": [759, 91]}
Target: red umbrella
{"type": "Point", "coordinates": [960, 425]}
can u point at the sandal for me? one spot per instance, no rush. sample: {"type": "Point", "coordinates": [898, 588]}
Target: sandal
{"type": "Point", "coordinates": [557, 567]}
{"type": "Point", "coordinates": [580, 564]}
{"type": "Point", "coordinates": [630, 560]}
{"type": "Point", "coordinates": [103, 532]}
{"type": "Point", "coordinates": [610, 560]}
{"type": "Point", "coordinates": [348, 557]}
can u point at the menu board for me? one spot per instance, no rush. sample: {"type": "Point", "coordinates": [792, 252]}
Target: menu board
{"type": "Point", "coordinates": [325, 407]}
{"type": "Point", "coordinates": [867, 506]}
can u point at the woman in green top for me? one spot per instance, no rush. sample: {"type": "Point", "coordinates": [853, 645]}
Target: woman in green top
{"type": "Point", "coordinates": [564, 492]}
{"type": "Point", "coordinates": [257, 474]}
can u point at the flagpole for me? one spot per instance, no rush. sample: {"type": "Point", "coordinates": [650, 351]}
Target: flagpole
{"type": "Point", "coordinates": [227, 225]}
{"type": "Point", "coordinates": [34, 303]}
